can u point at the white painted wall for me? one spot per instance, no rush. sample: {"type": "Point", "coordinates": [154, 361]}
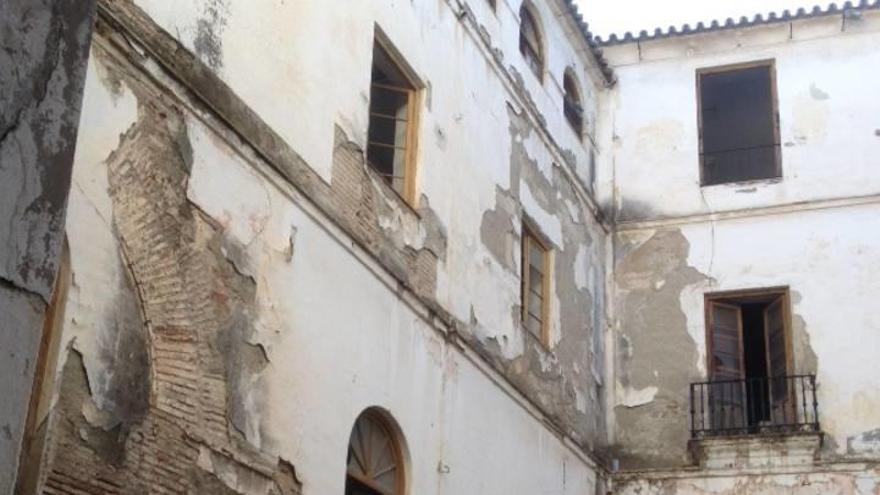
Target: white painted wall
{"type": "Point", "coordinates": [830, 261]}
{"type": "Point", "coordinates": [828, 117]}
{"type": "Point", "coordinates": [304, 67]}
{"type": "Point", "coordinates": [815, 230]}
{"type": "Point", "coordinates": [339, 336]}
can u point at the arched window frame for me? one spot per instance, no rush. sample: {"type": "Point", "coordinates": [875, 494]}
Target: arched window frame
{"type": "Point", "coordinates": [573, 102]}
{"type": "Point", "coordinates": [531, 39]}
{"type": "Point", "coordinates": [385, 422]}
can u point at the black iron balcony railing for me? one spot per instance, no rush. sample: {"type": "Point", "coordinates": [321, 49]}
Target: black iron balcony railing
{"type": "Point", "coordinates": [754, 406]}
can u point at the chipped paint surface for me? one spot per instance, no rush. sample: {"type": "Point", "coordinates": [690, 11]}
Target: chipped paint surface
{"type": "Point", "coordinates": [42, 67]}
{"type": "Point", "coordinates": [244, 285]}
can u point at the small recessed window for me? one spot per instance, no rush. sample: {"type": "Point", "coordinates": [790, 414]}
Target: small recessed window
{"type": "Point", "coordinates": [535, 284]}
{"type": "Point", "coordinates": [572, 105]}
{"type": "Point", "coordinates": [491, 3]}
{"type": "Point", "coordinates": [530, 40]}
{"type": "Point", "coordinates": [392, 133]}
{"type": "Point", "coordinates": [739, 133]}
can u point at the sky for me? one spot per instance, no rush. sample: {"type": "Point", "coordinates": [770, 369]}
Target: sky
{"type": "Point", "coordinates": [618, 16]}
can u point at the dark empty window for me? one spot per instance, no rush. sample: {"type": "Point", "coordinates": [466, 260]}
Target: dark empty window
{"type": "Point", "coordinates": [747, 340]}
{"type": "Point", "coordinates": [392, 132]}
{"type": "Point", "coordinates": [572, 107]}
{"type": "Point", "coordinates": [738, 128]}
{"type": "Point", "coordinates": [530, 40]}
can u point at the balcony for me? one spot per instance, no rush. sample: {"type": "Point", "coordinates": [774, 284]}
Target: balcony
{"type": "Point", "coordinates": [754, 406]}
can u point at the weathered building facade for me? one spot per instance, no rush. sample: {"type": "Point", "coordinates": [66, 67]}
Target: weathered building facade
{"type": "Point", "coordinates": [455, 247]}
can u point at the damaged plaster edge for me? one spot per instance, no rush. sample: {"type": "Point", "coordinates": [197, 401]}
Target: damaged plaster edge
{"type": "Point", "coordinates": [695, 472]}
{"type": "Point", "coordinates": [631, 397]}
{"type": "Point", "coordinates": [429, 311]}
{"type": "Point", "coordinates": [735, 214]}
{"type": "Point", "coordinates": [477, 359]}
{"type": "Point", "coordinates": [507, 80]}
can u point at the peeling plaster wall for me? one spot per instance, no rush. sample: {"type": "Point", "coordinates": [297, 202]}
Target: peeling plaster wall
{"type": "Point", "coordinates": [850, 480]}
{"type": "Point", "coordinates": [434, 37]}
{"type": "Point", "coordinates": [42, 65]}
{"type": "Point", "coordinates": [815, 230]}
{"type": "Point", "coordinates": [252, 302]}
{"type": "Point", "coordinates": [828, 123]}
{"type": "Point", "coordinates": [497, 143]}
{"type": "Point", "coordinates": [827, 258]}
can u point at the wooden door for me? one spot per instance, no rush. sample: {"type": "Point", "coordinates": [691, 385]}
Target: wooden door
{"type": "Point", "coordinates": [777, 361]}
{"type": "Point", "coordinates": [726, 393]}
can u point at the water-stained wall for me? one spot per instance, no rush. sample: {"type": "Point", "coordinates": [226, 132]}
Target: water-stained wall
{"type": "Point", "coordinates": [238, 297]}
{"type": "Point", "coordinates": [42, 67]}
{"type": "Point", "coordinates": [813, 231]}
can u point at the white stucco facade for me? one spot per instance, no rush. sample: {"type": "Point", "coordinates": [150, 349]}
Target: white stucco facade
{"type": "Point", "coordinates": [325, 294]}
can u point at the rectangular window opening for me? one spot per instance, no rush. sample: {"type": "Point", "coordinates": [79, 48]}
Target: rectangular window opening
{"type": "Point", "coordinates": [391, 138]}
{"type": "Point", "coordinates": [739, 132]}
{"type": "Point", "coordinates": [749, 357]}
{"type": "Point", "coordinates": [535, 284]}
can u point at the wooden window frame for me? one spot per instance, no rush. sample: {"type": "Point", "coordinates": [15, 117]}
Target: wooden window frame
{"type": "Point", "coordinates": [415, 96]}
{"type": "Point", "coordinates": [530, 235]}
{"type": "Point", "coordinates": [742, 296]}
{"type": "Point", "coordinates": [774, 102]}
{"type": "Point", "coordinates": [395, 439]}
{"type": "Point", "coordinates": [540, 51]}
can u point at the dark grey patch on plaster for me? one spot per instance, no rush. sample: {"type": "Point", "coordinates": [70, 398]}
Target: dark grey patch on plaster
{"type": "Point", "coordinates": [570, 158]}
{"type": "Point", "coordinates": [654, 336]}
{"type": "Point", "coordinates": [864, 444]}
{"type": "Point", "coordinates": [107, 442]}
{"type": "Point", "coordinates": [42, 69]}
{"type": "Point", "coordinates": [498, 232]}
{"type": "Point", "coordinates": [805, 360]}
{"type": "Point", "coordinates": [125, 360]}
{"type": "Point", "coordinates": [435, 231]}
{"type": "Point", "coordinates": [554, 378]}
{"type": "Point", "coordinates": [633, 210]}
{"type": "Point", "coordinates": [817, 94]}
{"type": "Point", "coordinates": [520, 87]}
{"type": "Point", "coordinates": [441, 137]}
{"type": "Point", "coordinates": [877, 132]}
{"type": "Point", "coordinates": [208, 43]}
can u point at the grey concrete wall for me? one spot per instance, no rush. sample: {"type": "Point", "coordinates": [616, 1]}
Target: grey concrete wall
{"type": "Point", "coordinates": [43, 52]}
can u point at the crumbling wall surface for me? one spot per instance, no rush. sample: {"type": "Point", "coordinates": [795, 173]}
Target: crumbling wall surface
{"type": "Point", "coordinates": [852, 479]}
{"type": "Point", "coordinates": [656, 358]}
{"type": "Point", "coordinates": [227, 313]}
{"type": "Point", "coordinates": [566, 374]}
{"type": "Point", "coordinates": [42, 66]}
{"type": "Point", "coordinates": [158, 393]}
{"type": "Point", "coordinates": [828, 261]}
{"type": "Point", "coordinates": [447, 249]}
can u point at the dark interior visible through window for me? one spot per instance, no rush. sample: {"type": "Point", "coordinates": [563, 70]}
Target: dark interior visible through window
{"type": "Point", "coordinates": [738, 124]}
{"type": "Point", "coordinates": [571, 105]}
{"type": "Point", "coordinates": [747, 342]}
{"type": "Point", "coordinates": [530, 40]}
{"type": "Point", "coordinates": [392, 112]}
